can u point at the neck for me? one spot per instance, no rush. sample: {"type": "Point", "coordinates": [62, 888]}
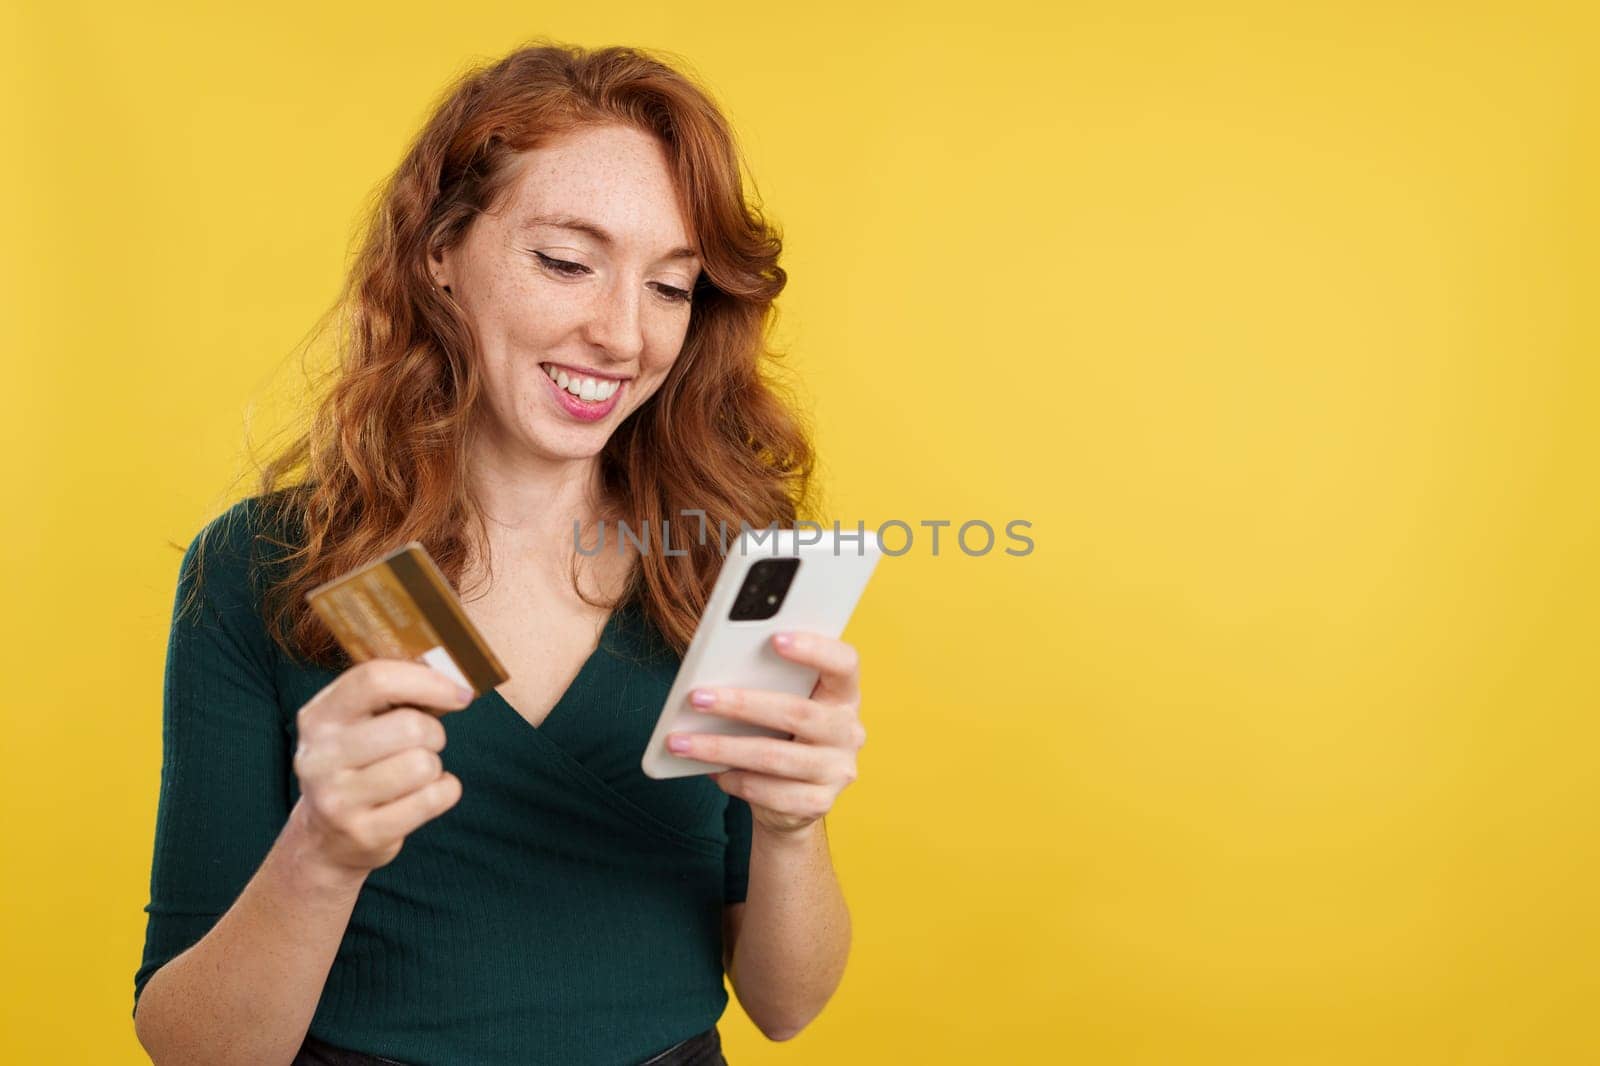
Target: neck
{"type": "Point", "coordinates": [529, 503]}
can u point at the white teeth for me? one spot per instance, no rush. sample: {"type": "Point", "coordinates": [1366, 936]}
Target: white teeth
{"type": "Point", "coordinates": [589, 389]}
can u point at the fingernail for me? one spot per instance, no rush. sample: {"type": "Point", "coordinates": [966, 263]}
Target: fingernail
{"type": "Point", "coordinates": [465, 695]}
{"type": "Point", "coordinates": [677, 743]}
{"type": "Point", "coordinates": [783, 640]}
{"type": "Point", "coordinates": [702, 697]}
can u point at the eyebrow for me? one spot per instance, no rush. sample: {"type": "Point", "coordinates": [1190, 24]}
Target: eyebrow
{"type": "Point", "coordinates": [595, 230]}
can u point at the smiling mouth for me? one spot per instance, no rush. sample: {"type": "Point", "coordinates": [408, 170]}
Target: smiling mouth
{"type": "Point", "coordinates": [586, 387]}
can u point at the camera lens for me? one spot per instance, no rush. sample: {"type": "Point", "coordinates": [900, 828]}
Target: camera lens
{"type": "Point", "coordinates": [766, 585]}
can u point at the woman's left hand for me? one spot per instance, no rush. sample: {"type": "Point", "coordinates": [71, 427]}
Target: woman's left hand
{"type": "Point", "coordinates": [789, 784]}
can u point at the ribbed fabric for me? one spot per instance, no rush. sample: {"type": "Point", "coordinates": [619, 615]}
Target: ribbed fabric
{"type": "Point", "coordinates": [567, 910]}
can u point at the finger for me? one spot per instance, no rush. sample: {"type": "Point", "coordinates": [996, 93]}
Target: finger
{"type": "Point", "coordinates": [399, 817]}
{"type": "Point", "coordinates": [388, 779]}
{"type": "Point", "coordinates": [380, 684]}
{"type": "Point", "coordinates": [781, 758]}
{"type": "Point", "coordinates": [365, 742]}
{"type": "Point", "coordinates": [779, 794]}
{"type": "Point", "coordinates": [803, 719]}
{"type": "Point", "coordinates": [838, 665]}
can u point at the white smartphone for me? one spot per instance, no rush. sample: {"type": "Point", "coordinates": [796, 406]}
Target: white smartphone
{"type": "Point", "coordinates": [771, 581]}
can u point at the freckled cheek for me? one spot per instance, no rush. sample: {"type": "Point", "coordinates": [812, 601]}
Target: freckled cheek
{"type": "Point", "coordinates": [651, 377]}
{"type": "Point", "coordinates": [536, 329]}
{"type": "Point", "coordinates": [661, 351]}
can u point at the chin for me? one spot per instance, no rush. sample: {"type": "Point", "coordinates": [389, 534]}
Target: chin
{"type": "Point", "coordinates": [578, 442]}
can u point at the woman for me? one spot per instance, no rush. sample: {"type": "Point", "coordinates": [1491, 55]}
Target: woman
{"type": "Point", "coordinates": [557, 319]}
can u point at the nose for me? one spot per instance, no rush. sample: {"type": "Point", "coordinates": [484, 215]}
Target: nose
{"type": "Point", "coordinates": [615, 320]}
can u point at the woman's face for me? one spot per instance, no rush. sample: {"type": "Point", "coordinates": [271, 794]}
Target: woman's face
{"type": "Point", "coordinates": [582, 277]}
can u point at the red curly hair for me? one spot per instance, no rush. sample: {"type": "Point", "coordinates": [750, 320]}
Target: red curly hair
{"type": "Point", "coordinates": [383, 460]}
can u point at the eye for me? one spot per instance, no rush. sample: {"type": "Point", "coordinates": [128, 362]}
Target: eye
{"type": "Point", "coordinates": [674, 294]}
{"type": "Point", "coordinates": [562, 266]}
{"type": "Point", "coordinates": [567, 269]}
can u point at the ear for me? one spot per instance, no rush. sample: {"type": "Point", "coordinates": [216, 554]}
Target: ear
{"type": "Point", "coordinates": [439, 268]}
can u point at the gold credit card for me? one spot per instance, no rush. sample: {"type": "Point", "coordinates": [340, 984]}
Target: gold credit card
{"type": "Point", "coordinates": [401, 607]}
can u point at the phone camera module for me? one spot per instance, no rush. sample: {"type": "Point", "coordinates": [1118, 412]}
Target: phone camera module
{"type": "Point", "coordinates": [766, 584]}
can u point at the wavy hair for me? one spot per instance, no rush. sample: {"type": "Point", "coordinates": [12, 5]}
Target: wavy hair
{"type": "Point", "coordinates": [383, 459]}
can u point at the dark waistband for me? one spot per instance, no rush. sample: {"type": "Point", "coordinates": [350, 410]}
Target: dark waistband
{"type": "Point", "coordinates": [702, 1049]}
{"type": "Point", "coordinates": [316, 1052]}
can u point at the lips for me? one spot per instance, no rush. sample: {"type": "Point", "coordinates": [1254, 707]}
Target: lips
{"type": "Point", "coordinates": [603, 393]}
{"type": "Point", "coordinates": [579, 374]}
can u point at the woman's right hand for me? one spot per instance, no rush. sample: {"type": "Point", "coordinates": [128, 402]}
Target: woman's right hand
{"type": "Point", "coordinates": [368, 763]}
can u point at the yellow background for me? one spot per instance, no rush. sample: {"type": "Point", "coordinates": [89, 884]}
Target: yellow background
{"type": "Point", "coordinates": [1276, 321]}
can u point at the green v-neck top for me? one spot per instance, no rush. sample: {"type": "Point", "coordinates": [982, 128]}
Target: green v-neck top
{"type": "Point", "coordinates": [568, 908]}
